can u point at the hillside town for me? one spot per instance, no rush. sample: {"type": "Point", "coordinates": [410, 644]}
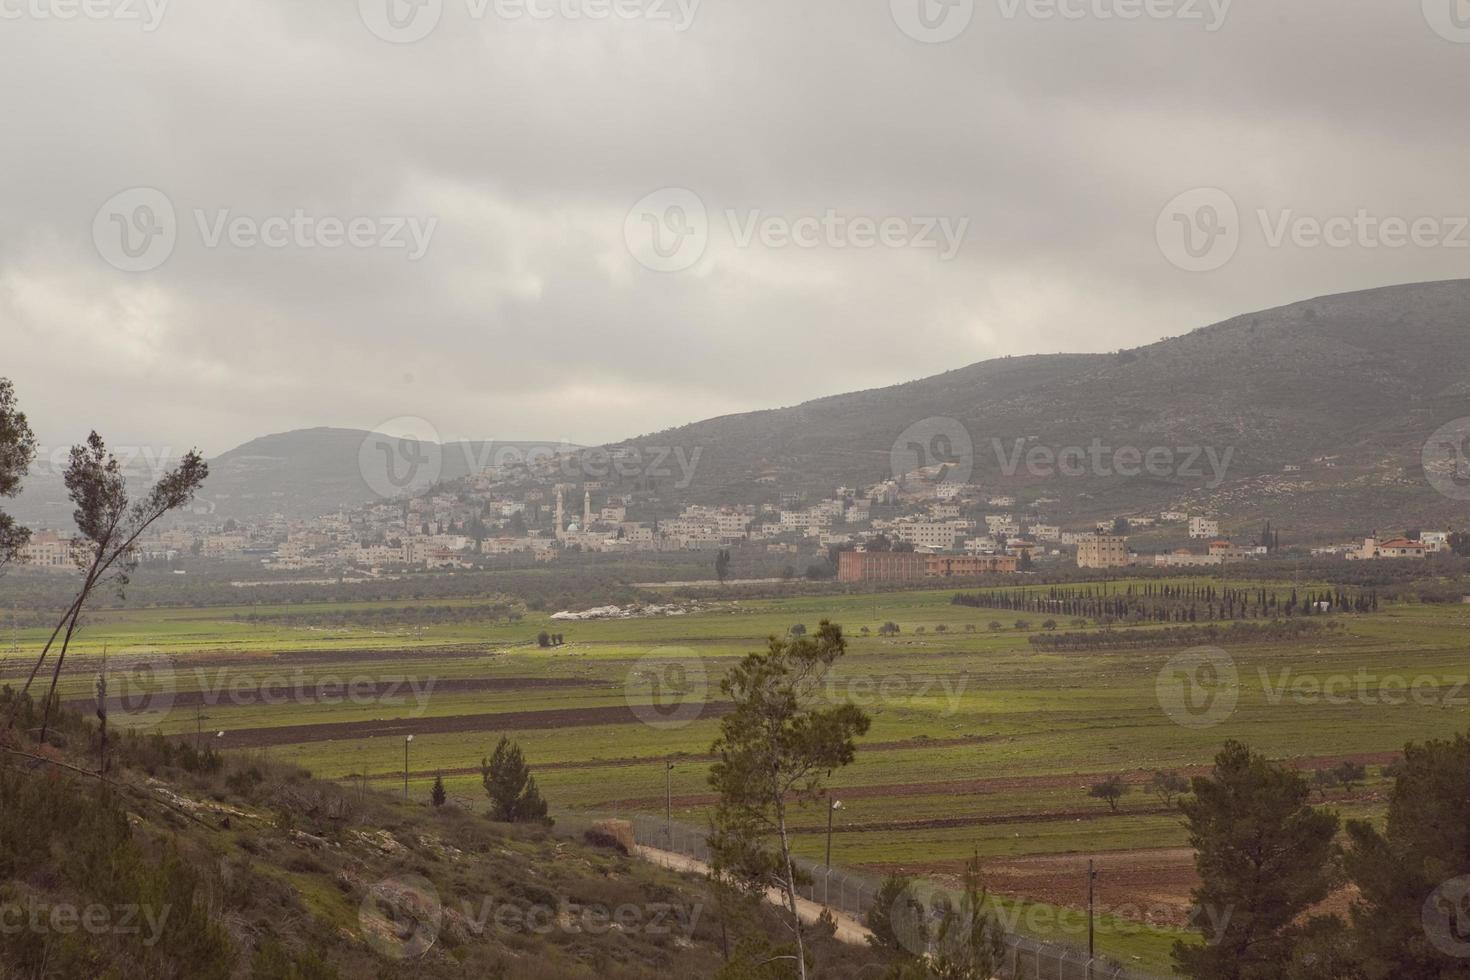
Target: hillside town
{"type": "Point", "coordinates": [908, 529]}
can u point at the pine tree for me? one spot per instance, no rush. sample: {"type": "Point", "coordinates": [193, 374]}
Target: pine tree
{"type": "Point", "coordinates": [1264, 858]}
{"type": "Point", "coordinates": [437, 795]}
{"type": "Point", "coordinates": [514, 797]}
{"type": "Point", "coordinates": [1411, 877]}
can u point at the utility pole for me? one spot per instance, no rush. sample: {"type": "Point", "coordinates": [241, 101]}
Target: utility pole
{"type": "Point", "coordinates": [1091, 942]}
{"type": "Point", "coordinates": [832, 807]}
{"type": "Point", "coordinates": [669, 803]}
{"type": "Point", "coordinates": [405, 767]}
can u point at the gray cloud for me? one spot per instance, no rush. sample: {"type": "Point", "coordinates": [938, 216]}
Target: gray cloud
{"type": "Point", "coordinates": [528, 141]}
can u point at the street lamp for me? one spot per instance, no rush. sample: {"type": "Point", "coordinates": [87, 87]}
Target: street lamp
{"type": "Point", "coordinates": [405, 767]}
{"type": "Point", "coordinates": [832, 808]}
{"type": "Point", "coordinates": [669, 804]}
{"type": "Point", "coordinates": [836, 805]}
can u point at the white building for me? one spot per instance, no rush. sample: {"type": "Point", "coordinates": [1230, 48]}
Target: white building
{"type": "Point", "coordinates": [1203, 527]}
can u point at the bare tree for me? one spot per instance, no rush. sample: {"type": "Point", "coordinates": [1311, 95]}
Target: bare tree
{"type": "Point", "coordinates": [110, 528]}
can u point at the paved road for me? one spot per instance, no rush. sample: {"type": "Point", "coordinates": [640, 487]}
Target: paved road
{"type": "Point", "coordinates": [849, 930]}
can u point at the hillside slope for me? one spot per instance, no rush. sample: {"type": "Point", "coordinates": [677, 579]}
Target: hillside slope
{"type": "Point", "coordinates": [1364, 377]}
{"type": "Point", "coordinates": [308, 472]}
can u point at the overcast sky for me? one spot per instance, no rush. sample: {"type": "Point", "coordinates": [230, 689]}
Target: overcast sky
{"type": "Point", "coordinates": [472, 195]}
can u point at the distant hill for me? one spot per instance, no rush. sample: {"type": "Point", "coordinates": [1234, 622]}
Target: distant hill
{"type": "Point", "coordinates": [303, 473]}
{"type": "Point", "coordinates": [1364, 377]}
{"type": "Point", "coordinates": [315, 471]}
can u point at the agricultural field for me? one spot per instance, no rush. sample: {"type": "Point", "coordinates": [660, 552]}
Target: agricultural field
{"type": "Point", "coordinates": [980, 742]}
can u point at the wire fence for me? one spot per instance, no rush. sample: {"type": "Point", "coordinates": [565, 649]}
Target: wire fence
{"type": "Point", "coordinates": [854, 893]}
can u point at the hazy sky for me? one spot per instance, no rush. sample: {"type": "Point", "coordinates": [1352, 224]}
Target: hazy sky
{"type": "Point", "coordinates": [226, 218]}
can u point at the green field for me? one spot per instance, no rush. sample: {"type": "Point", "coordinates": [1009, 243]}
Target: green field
{"type": "Point", "coordinates": [979, 742]}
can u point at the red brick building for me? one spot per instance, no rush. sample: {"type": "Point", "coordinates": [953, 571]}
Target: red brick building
{"type": "Point", "coordinates": [910, 566]}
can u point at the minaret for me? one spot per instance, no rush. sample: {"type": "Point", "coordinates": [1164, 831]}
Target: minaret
{"type": "Point", "coordinates": [560, 515]}
{"type": "Point", "coordinates": [586, 509]}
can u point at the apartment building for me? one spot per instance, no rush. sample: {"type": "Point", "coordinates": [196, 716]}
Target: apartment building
{"type": "Point", "coordinates": [1103, 551]}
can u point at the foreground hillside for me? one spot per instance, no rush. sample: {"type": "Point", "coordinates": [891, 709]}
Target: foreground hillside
{"type": "Point", "coordinates": [1345, 387]}
{"type": "Point", "coordinates": [185, 864]}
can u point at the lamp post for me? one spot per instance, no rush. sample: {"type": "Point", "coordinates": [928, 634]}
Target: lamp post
{"type": "Point", "coordinates": [831, 809]}
{"type": "Point", "coordinates": [669, 804]}
{"type": "Point", "coordinates": [405, 767]}
{"type": "Point", "coordinates": [1091, 944]}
